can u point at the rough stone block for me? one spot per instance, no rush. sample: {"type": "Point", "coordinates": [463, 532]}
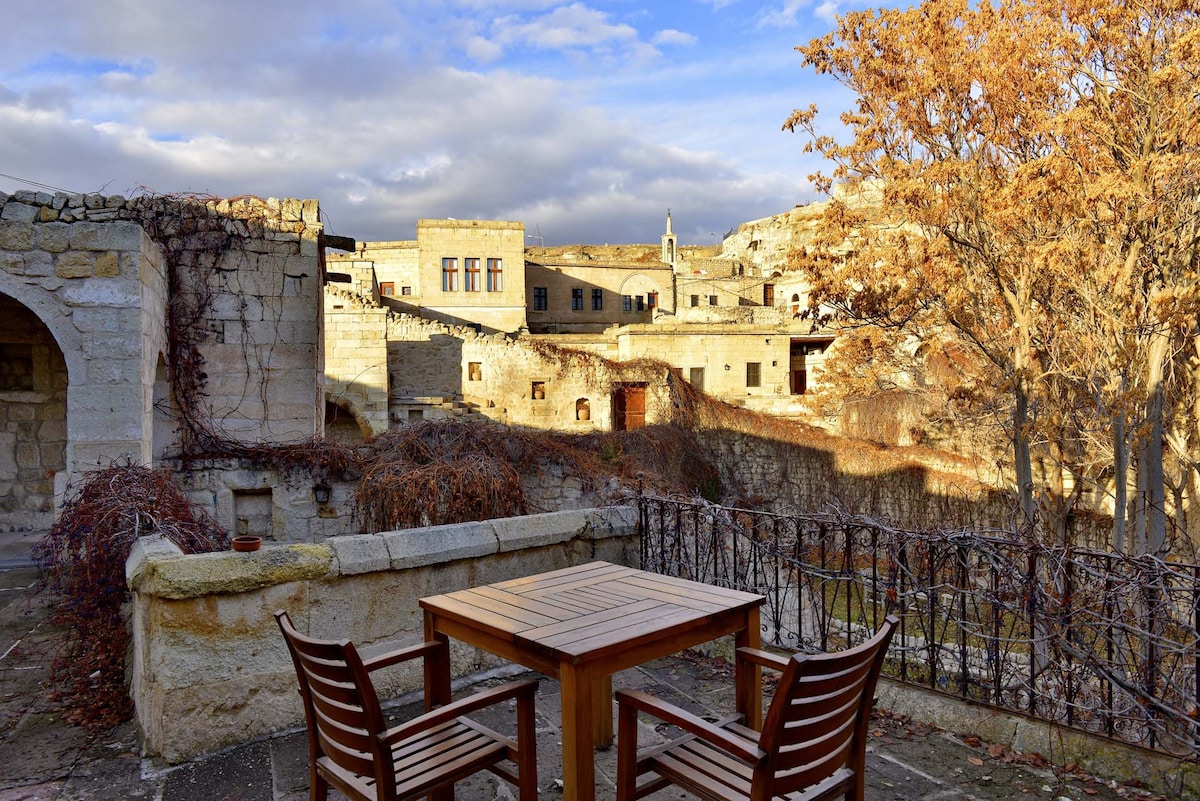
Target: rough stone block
{"type": "Point", "coordinates": [106, 236]}
{"type": "Point", "coordinates": [74, 264]}
{"type": "Point", "coordinates": [19, 212]}
{"type": "Point", "coordinates": [53, 237]}
{"type": "Point", "coordinates": [106, 265]}
{"type": "Point", "coordinates": [17, 235]}
{"type": "Point", "coordinates": [426, 546]}
{"type": "Point", "coordinates": [365, 553]}
{"type": "Point", "coordinates": [230, 572]}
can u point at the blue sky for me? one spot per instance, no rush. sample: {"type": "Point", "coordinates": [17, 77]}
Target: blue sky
{"type": "Point", "coordinates": [584, 120]}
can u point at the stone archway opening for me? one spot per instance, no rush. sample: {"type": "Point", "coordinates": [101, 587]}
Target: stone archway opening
{"type": "Point", "coordinates": [343, 424]}
{"type": "Point", "coordinates": [33, 416]}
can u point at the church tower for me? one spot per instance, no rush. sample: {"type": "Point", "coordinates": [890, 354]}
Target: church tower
{"type": "Point", "coordinates": [669, 245]}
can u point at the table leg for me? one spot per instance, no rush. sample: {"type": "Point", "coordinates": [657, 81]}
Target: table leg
{"type": "Point", "coordinates": [437, 688]}
{"type": "Point", "coordinates": [578, 720]}
{"type": "Point", "coordinates": [602, 712]}
{"type": "Point", "coordinates": [748, 677]}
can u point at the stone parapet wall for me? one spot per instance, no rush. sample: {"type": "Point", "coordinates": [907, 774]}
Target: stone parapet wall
{"type": "Point", "coordinates": [209, 664]}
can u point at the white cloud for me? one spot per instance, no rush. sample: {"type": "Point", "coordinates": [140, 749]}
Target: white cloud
{"type": "Point", "coordinates": [567, 27]}
{"type": "Point", "coordinates": [382, 111]}
{"type": "Point", "coordinates": [673, 37]}
{"type": "Point", "coordinates": [785, 16]}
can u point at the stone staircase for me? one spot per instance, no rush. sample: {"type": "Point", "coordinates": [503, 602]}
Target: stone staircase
{"type": "Point", "coordinates": [433, 407]}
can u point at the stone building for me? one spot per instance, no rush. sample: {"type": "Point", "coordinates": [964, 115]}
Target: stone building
{"type": "Point", "coordinates": [124, 317]}
{"type": "Point", "coordinates": [461, 272]}
{"type": "Point", "coordinates": [712, 316]}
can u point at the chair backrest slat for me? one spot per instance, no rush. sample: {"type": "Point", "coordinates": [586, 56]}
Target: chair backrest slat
{"type": "Point", "coordinates": [817, 722]}
{"type": "Point", "coordinates": [340, 704]}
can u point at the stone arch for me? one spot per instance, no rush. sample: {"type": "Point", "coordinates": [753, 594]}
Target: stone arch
{"type": "Point", "coordinates": [344, 422]}
{"type": "Point", "coordinates": [34, 383]}
{"type": "Point", "coordinates": [99, 327]}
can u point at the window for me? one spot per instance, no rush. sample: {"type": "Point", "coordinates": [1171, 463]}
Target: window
{"type": "Point", "coordinates": [627, 303]}
{"type": "Point", "coordinates": [539, 298]}
{"type": "Point", "coordinates": [754, 374]}
{"type": "Point", "coordinates": [652, 300]}
{"type": "Point", "coordinates": [449, 275]}
{"type": "Point", "coordinates": [406, 290]}
{"type": "Point", "coordinates": [641, 303]}
{"type": "Point", "coordinates": [471, 268]}
{"type": "Point", "coordinates": [696, 376]}
{"type": "Point", "coordinates": [597, 300]}
{"type": "Point", "coordinates": [495, 278]}
{"type": "Point", "coordinates": [712, 300]}
{"type": "Point", "coordinates": [577, 298]}
{"type": "Point", "coordinates": [387, 288]}
{"type": "Point", "coordinates": [695, 300]}
{"type": "Point", "coordinates": [16, 367]}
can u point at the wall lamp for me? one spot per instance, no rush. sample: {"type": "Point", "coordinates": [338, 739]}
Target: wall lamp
{"type": "Point", "coordinates": [322, 492]}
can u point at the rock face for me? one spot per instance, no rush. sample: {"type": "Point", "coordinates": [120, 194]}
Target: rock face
{"type": "Point", "coordinates": [765, 244]}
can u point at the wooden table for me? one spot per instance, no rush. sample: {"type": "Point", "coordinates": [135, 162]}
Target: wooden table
{"type": "Point", "coordinates": [582, 624]}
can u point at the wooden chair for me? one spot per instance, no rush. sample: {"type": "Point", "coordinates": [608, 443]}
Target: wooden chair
{"type": "Point", "coordinates": [812, 745]}
{"type": "Point", "coordinates": [351, 747]}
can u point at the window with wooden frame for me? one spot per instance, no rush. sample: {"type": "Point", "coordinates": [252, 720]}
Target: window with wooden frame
{"type": "Point", "coordinates": [449, 275]}
{"type": "Point", "coordinates": [753, 374]}
{"type": "Point", "coordinates": [387, 288]}
{"type": "Point", "coordinates": [495, 275]}
{"type": "Point", "coordinates": [577, 298]}
{"type": "Point", "coordinates": [471, 275]}
{"type": "Point", "coordinates": [540, 298]}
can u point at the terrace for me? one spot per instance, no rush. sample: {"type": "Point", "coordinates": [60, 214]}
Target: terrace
{"type": "Point", "coordinates": [973, 752]}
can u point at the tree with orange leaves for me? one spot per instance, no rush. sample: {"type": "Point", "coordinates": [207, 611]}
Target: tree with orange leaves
{"type": "Point", "coordinates": [1039, 163]}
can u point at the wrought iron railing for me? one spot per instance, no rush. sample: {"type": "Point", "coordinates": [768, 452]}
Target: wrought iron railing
{"type": "Point", "coordinates": [1093, 640]}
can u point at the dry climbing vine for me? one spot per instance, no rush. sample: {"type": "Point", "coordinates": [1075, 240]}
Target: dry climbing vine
{"type": "Point", "coordinates": [83, 566]}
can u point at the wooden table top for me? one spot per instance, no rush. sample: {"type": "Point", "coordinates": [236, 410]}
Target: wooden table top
{"type": "Point", "coordinates": [582, 613]}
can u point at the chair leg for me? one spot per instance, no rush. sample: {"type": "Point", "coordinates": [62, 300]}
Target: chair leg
{"type": "Point", "coordinates": [318, 788]}
{"type": "Point", "coordinates": [626, 752]}
{"type": "Point", "coordinates": [527, 788]}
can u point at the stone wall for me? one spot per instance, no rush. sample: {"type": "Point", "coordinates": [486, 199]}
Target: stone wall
{"type": "Point", "coordinates": [83, 270]}
{"type": "Point", "coordinates": [209, 665]}
{"type": "Point", "coordinates": [93, 273]}
{"type": "Point", "coordinates": [356, 358]}
{"type": "Point", "coordinates": [910, 489]}
{"type": "Point", "coordinates": [499, 377]}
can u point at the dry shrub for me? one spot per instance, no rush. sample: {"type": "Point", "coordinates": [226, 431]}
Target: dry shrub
{"type": "Point", "coordinates": [83, 563]}
{"type": "Point", "coordinates": [397, 495]}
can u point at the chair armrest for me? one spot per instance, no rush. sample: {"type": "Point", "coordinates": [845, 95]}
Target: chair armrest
{"type": "Point", "coordinates": [763, 658]}
{"type": "Point", "coordinates": [399, 655]}
{"type": "Point", "coordinates": [479, 700]}
{"type": "Point", "coordinates": [669, 713]}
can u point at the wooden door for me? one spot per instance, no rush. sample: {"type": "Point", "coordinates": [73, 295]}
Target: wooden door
{"type": "Point", "coordinates": [629, 407]}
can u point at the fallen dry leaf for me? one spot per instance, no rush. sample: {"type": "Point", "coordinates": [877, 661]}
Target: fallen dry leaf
{"type": "Point", "coordinates": [976, 761]}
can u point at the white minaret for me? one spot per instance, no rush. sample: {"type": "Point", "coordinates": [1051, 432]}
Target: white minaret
{"type": "Point", "coordinates": [669, 249]}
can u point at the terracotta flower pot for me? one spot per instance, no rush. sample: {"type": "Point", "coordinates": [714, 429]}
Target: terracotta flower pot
{"type": "Point", "coordinates": [245, 543]}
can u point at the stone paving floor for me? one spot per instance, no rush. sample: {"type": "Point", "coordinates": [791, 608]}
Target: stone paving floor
{"type": "Point", "coordinates": [44, 758]}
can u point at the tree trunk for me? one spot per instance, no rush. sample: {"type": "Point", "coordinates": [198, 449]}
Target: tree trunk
{"type": "Point", "coordinates": [1151, 464]}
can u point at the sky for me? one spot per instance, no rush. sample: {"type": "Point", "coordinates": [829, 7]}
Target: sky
{"type": "Point", "coordinates": [584, 120]}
